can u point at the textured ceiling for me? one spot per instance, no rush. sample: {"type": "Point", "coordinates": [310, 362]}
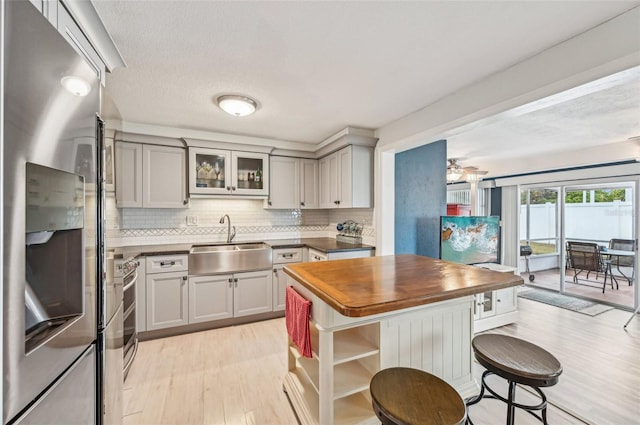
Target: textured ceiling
{"type": "Point", "coordinates": [317, 67]}
{"type": "Point", "coordinates": [603, 112]}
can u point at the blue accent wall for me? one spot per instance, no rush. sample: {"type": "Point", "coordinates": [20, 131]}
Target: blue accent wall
{"type": "Point", "coordinates": [420, 199]}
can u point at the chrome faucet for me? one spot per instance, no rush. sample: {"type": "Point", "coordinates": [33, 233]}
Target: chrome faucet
{"type": "Point", "coordinates": [230, 233]}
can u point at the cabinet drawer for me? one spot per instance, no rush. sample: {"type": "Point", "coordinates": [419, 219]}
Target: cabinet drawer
{"type": "Point", "coordinates": [167, 263]}
{"type": "Point", "coordinates": [287, 255]}
{"type": "Point", "coordinates": [316, 255]}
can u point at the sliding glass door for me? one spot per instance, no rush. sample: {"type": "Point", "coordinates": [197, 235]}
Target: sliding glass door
{"type": "Point", "coordinates": [539, 230]}
{"type": "Point", "coordinates": [600, 215]}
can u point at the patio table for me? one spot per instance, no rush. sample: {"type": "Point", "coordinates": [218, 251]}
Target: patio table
{"type": "Point", "coordinates": [621, 253]}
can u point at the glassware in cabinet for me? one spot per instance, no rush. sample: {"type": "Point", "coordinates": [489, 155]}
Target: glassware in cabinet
{"type": "Point", "coordinates": [209, 171]}
{"type": "Point", "coordinates": [250, 173]}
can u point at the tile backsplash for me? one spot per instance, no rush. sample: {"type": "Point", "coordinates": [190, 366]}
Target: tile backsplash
{"type": "Point", "coordinates": [200, 223]}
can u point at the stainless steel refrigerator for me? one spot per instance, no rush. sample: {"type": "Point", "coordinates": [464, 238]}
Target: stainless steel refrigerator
{"type": "Point", "coordinates": [55, 335]}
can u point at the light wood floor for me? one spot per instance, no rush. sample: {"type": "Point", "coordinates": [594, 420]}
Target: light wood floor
{"type": "Point", "coordinates": [234, 375]}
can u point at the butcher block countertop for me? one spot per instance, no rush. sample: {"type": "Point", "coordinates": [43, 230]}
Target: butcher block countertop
{"type": "Point", "coordinates": [366, 286]}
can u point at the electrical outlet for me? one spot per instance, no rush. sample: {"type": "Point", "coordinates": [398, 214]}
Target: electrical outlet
{"type": "Point", "coordinates": [192, 220]}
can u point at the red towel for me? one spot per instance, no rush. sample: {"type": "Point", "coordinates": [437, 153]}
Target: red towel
{"type": "Point", "coordinates": [297, 313]}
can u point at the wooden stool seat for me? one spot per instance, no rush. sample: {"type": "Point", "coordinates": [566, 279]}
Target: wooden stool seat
{"type": "Point", "coordinates": [519, 362]}
{"type": "Point", "coordinates": [406, 396]}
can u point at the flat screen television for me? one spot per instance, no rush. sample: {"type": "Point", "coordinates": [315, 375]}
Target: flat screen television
{"type": "Point", "coordinates": [470, 239]}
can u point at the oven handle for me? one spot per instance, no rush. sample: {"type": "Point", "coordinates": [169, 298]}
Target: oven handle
{"type": "Point", "coordinates": [132, 282]}
{"type": "Point", "coordinates": [133, 356]}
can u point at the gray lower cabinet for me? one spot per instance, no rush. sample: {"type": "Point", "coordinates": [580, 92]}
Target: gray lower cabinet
{"type": "Point", "coordinates": [218, 297]}
{"type": "Point", "coordinates": [279, 287]}
{"type": "Point", "coordinates": [167, 300]}
{"type": "Point", "coordinates": [281, 258]}
{"type": "Point", "coordinates": [252, 293]}
{"type": "Point", "coordinates": [210, 298]}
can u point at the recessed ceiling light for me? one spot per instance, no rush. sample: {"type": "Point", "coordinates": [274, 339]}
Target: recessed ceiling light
{"type": "Point", "coordinates": [236, 105]}
{"type": "Point", "coordinates": [75, 85]}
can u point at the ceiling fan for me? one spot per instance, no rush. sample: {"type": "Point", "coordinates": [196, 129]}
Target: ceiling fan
{"type": "Point", "coordinates": [456, 172]}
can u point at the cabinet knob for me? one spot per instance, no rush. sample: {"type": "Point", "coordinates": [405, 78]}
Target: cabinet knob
{"type": "Point", "coordinates": [302, 204]}
{"type": "Point", "coordinates": [233, 188]}
{"type": "Point", "coordinates": [167, 263]}
{"type": "Point", "coordinates": [185, 202]}
{"type": "Point", "coordinates": [335, 202]}
{"type": "Point", "coordinates": [338, 202]}
{"type": "Point", "coordinates": [230, 280]}
{"type": "Point", "coordinates": [269, 202]}
{"type": "Point", "coordinates": [275, 271]}
{"type": "Point", "coordinates": [184, 277]}
{"type": "Point", "coordinates": [229, 188]}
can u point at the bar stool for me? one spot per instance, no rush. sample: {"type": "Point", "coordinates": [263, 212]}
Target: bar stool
{"type": "Point", "coordinates": [519, 362]}
{"type": "Point", "coordinates": [405, 396]}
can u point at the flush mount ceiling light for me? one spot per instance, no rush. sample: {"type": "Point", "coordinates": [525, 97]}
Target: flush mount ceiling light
{"type": "Point", "coordinates": [454, 171]}
{"type": "Point", "coordinates": [75, 85]}
{"type": "Point", "coordinates": [236, 105]}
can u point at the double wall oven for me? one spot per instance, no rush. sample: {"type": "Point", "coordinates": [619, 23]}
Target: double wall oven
{"type": "Point", "coordinates": [126, 274]}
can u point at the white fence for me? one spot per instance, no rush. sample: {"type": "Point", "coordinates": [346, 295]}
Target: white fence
{"type": "Point", "coordinates": [591, 221]}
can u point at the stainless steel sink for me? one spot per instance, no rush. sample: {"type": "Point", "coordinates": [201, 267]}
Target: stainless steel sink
{"type": "Point", "coordinates": [220, 259]}
{"type": "Point", "coordinates": [252, 246]}
{"type": "Point", "coordinates": [212, 248]}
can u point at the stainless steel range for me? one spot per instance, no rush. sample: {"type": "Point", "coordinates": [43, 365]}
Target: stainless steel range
{"type": "Point", "coordinates": [126, 274]}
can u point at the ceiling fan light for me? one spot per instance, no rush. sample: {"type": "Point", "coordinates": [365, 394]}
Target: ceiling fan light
{"type": "Point", "coordinates": [454, 171]}
{"type": "Point", "coordinates": [238, 106]}
{"type": "Point", "coordinates": [453, 175]}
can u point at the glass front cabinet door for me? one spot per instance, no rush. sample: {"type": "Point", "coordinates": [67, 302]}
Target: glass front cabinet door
{"type": "Point", "coordinates": [209, 171]}
{"type": "Point", "coordinates": [250, 173]}
{"type": "Point", "coordinates": [222, 172]}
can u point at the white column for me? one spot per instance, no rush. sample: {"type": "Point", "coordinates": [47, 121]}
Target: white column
{"type": "Point", "coordinates": [473, 192]}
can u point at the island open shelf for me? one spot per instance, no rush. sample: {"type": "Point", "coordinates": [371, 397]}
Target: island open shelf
{"type": "Point", "coordinates": [373, 313]}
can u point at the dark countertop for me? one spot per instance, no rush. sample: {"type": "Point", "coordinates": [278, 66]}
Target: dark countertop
{"type": "Point", "coordinates": [164, 249]}
{"type": "Point", "coordinates": [365, 286]}
{"type": "Point", "coordinates": [326, 245]}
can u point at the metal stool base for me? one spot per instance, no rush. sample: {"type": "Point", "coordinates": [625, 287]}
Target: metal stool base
{"type": "Point", "coordinates": [511, 404]}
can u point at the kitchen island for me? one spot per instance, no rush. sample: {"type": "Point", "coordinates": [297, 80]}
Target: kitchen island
{"type": "Point", "coordinates": [373, 313]}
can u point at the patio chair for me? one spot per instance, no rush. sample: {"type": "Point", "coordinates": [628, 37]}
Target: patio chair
{"type": "Point", "coordinates": [585, 257]}
{"type": "Point", "coordinates": [618, 261]}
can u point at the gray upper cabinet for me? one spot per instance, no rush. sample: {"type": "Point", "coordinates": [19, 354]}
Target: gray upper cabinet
{"type": "Point", "coordinates": [215, 172]}
{"type": "Point", "coordinates": [150, 176]}
{"type": "Point", "coordinates": [293, 183]}
{"type": "Point", "coordinates": [128, 166]}
{"type": "Point", "coordinates": [164, 181]}
{"type": "Point", "coordinates": [284, 191]}
{"type": "Point", "coordinates": [309, 183]}
{"type": "Point", "coordinates": [346, 178]}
